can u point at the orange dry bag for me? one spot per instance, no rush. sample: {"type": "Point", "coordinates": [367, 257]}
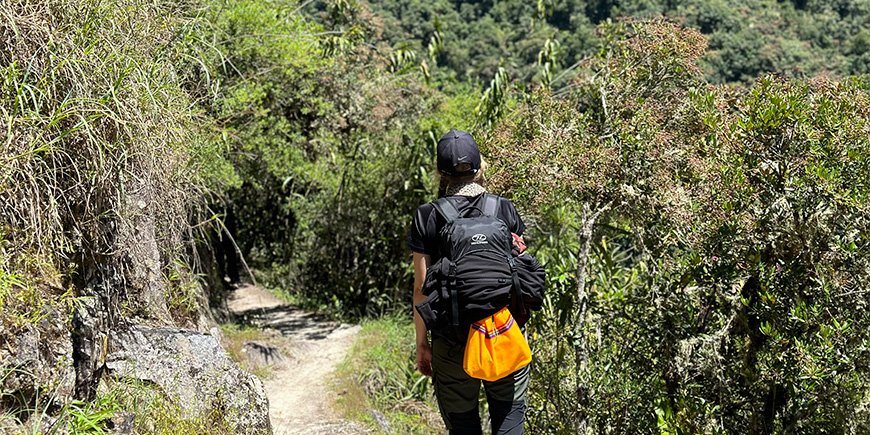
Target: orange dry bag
{"type": "Point", "coordinates": [495, 347]}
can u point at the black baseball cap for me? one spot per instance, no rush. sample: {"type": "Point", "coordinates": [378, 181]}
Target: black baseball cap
{"type": "Point", "coordinates": [458, 154]}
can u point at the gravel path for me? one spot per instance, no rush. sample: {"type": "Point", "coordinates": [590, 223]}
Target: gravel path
{"type": "Point", "coordinates": [300, 401]}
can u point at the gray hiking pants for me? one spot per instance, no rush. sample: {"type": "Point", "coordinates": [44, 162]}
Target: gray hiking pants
{"type": "Point", "coordinates": [458, 394]}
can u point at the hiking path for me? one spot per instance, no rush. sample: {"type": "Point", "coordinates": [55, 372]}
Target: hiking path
{"type": "Point", "coordinates": [300, 400]}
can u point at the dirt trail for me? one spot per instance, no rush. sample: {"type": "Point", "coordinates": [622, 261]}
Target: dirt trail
{"type": "Point", "coordinates": [300, 401]}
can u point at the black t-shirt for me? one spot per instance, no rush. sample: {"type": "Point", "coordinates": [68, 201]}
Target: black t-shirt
{"type": "Point", "coordinates": [424, 237]}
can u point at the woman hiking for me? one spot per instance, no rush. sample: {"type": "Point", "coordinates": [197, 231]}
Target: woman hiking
{"type": "Point", "coordinates": [462, 182]}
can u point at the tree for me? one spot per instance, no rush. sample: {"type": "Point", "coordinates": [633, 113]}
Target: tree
{"type": "Point", "coordinates": [721, 281]}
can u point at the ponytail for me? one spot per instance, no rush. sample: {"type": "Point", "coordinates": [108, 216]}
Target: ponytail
{"type": "Point", "coordinates": [442, 186]}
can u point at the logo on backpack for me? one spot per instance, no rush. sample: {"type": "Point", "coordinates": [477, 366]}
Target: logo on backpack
{"type": "Point", "coordinates": [478, 239]}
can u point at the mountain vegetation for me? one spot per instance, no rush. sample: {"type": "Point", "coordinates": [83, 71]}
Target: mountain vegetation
{"type": "Point", "coordinates": [717, 240]}
{"type": "Point", "coordinates": [695, 177]}
{"type": "Point", "coordinates": [472, 39]}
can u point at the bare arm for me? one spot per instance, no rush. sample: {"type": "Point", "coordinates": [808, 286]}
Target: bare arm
{"type": "Point", "coordinates": [424, 350]}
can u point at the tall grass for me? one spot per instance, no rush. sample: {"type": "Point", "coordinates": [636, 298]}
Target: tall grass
{"type": "Point", "coordinates": [105, 162]}
{"type": "Point", "coordinates": [378, 378]}
{"type": "Point", "coordinates": [102, 141]}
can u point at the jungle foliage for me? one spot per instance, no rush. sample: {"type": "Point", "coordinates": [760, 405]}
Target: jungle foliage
{"type": "Point", "coordinates": [472, 39]}
{"type": "Point", "coordinates": [707, 245]}
{"type": "Point", "coordinates": [328, 146]}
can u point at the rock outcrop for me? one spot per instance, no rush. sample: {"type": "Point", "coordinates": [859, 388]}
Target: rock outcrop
{"type": "Point", "coordinates": [194, 371]}
{"type": "Point", "coordinates": [38, 361]}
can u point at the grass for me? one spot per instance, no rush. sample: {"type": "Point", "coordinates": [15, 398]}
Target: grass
{"type": "Point", "coordinates": [93, 417]}
{"type": "Point", "coordinates": [19, 302]}
{"type": "Point", "coordinates": [378, 374]}
{"type": "Point", "coordinates": [102, 144]}
{"type": "Point", "coordinates": [151, 411]}
{"type": "Point", "coordinates": [16, 409]}
{"type": "Point", "coordinates": [102, 147]}
{"type": "Point", "coordinates": [155, 414]}
{"type": "Point", "coordinates": [184, 292]}
{"type": "Point", "coordinates": [30, 290]}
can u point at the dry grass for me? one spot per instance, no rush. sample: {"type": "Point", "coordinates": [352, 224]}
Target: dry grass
{"type": "Point", "coordinates": [87, 124]}
{"type": "Point", "coordinates": [100, 139]}
{"type": "Point", "coordinates": [103, 165]}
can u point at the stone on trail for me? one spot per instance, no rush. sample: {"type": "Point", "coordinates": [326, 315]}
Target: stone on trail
{"type": "Point", "coordinates": [261, 355]}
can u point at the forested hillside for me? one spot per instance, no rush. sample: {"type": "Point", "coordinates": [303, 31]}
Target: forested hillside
{"type": "Point", "coordinates": [697, 187]}
{"type": "Point", "coordinates": [747, 38]}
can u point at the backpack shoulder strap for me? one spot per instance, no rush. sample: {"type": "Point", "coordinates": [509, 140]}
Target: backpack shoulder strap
{"type": "Point", "coordinates": [446, 209]}
{"type": "Point", "coordinates": [490, 205]}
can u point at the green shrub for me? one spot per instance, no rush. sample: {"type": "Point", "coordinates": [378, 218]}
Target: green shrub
{"type": "Point", "coordinates": [719, 243]}
{"type": "Point", "coordinates": [327, 146]}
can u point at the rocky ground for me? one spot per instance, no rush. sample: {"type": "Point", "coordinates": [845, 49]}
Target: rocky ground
{"type": "Point", "coordinates": [300, 401]}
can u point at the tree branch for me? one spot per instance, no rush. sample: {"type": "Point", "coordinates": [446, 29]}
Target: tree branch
{"type": "Point", "coordinates": [581, 353]}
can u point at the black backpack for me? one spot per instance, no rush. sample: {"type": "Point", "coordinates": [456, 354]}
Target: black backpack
{"type": "Point", "coordinates": [476, 274]}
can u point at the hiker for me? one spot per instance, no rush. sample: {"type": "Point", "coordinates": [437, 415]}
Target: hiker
{"type": "Point", "coordinates": [462, 182]}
